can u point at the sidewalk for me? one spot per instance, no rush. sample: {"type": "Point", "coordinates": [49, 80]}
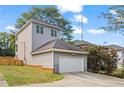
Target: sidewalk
{"type": "Point", "coordinates": [3, 82]}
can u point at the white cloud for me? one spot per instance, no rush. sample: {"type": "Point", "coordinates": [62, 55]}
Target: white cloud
{"type": "Point", "coordinates": [113, 12]}
{"type": "Point", "coordinates": [96, 31]}
{"type": "Point", "coordinates": [80, 18]}
{"type": "Point", "coordinates": [70, 8]}
{"type": "Point", "coordinates": [11, 27]}
{"type": "Point", "coordinates": [77, 30]}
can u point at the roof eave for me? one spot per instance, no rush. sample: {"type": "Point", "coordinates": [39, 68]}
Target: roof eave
{"type": "Point", "coordinates": [46, 24]}
{"type": "Point", "coordinates": [35, 21]}
{"type": "Point", "coordinates": [25, 25]}
{"type": "Point", "coordinates": [60, 50]}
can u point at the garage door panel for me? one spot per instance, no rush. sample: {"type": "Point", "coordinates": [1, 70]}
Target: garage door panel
{"type": "Point", "coordinates": [70, 64]}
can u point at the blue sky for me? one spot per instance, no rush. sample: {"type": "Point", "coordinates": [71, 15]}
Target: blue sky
{"type": "Point", "coordinates": [91, 22]}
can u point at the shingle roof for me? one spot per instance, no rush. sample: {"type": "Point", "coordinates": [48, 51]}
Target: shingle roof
{"type": "Point", "coordinates": [82, 42]}
{"type": "Point", "coordinates": [38, 22]}
{"type": "Point", "coordinates": [58, 44]}
{"type": "Point", "coordinates": [116, 47]}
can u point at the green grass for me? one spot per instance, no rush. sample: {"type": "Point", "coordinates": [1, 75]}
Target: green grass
{"type": "Point", "coordinates": [21, 75]}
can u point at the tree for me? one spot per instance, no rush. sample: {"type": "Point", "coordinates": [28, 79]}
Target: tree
{"type": "Point", "coordinates": [12, 41]}
{"type": "Point", "coordinates": [0, 51]}
{"type": "Point", "coordinates": [114, 18]}
{"type": "Point", "coordinates": [110, 58]}
{"type": "Point", "coordinates": [4, 40]}
{"type": "Point", "coordinates": [7, 44]}
{"type": "Point", "coordinates": [49, 14]}
{"type": "Point", "coordinates": [105, 59]}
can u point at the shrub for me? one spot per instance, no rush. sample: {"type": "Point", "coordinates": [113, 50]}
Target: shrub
{"type": "Point", "coordinates": [7, 52]}
{"type": "Point", "coordinates": [102, 58]}
{"type": "Point", "coordinates": [0, 50]}
{"type": "Point", "coordinates": [118, 73]}
{"type": "Point", "coordinates": [102, 72]}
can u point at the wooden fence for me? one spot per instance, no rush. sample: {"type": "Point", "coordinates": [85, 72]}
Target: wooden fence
{"type": "Point", "coordinates": [10, 61]}
{"type": "Point", "coordinates": [41, 68]}
{"type": "Point", "coordinates": [16, 61]}
{"type": "Point", "coordinates": [92, 63]}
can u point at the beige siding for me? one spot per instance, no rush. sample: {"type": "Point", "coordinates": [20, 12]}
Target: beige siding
{"type": "Point", "coordinates": [24, 43]}
{"type": "Point", "coordinates": [39, 39]}
{"type": "Point", "coordinates": [28, 40]}
{"type": "Point", "coordinates": [43, 59]}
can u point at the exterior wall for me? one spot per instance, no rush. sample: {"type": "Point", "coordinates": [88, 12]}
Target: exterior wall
{"type": "Point", "coordinates": [121, 57]}
{"type": "Point", "coordinates": [39, 39]}
{"type": "Point", "coordinates": [24, 44]}
{"type": "Point", "coordinates": [29, 39]}
{"type": "Point", "coordinates": [56, 59]}
{"type": "Point", "coordinates": [43, 59]}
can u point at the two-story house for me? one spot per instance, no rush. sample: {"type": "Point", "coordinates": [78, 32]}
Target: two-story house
{"type": "Point", "coordinates": [120, 50]}
{"type": "Point", "coordinates": [39, 43]}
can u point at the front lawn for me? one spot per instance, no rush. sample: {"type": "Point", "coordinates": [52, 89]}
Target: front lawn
{"type": "Point", "coordinates": [21, 75]}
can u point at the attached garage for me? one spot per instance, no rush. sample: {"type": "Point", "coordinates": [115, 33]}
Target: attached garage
{"type": "Point", "coordinates": [69, 61]}
{"type": "Point", "coordinates": [71, 64]}
{"type": "Point", "coordinates": [61, 56]}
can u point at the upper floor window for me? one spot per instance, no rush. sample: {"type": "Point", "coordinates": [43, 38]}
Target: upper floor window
{"type": "Point", "coordinates": [39, 29]}
{"type": "Point", "coordinates": [53, 33]}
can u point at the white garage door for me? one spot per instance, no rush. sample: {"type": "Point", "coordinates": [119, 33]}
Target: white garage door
{"type": "Point", "coordinates": [70, 64]}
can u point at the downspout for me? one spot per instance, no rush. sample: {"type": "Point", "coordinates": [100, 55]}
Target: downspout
{"type": "Point", "coordinates": [53, 61]}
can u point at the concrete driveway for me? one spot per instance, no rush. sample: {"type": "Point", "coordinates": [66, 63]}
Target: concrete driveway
{"type": "Point", "coordinates": [83, 80]}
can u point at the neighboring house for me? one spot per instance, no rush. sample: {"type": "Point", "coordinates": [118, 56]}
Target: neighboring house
{"type": "Point", "coordinates": [38, 43]}
{"type": "Point", "coordinates": [120, 53]}
{"type": "Point", "coordinates": [83, 44]}
{"type": "Point", "coordinates": [120, 50]}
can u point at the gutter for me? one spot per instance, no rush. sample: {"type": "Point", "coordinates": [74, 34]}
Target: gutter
{"type": "Point", "coordinates": [60, 50]}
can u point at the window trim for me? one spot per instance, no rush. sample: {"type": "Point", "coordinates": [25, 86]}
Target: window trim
{"type": "Point", "coordinates": [41, 30]}
{"type": "Point", "coordinates": [53, 33]}
{"type": "Point", "coordinates": [37, 28]}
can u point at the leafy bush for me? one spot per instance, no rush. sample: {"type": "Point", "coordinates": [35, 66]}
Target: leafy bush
{"type": "Point", "coordinates": [0, 51]}
{"type": "Point", "coordinates": [102, 72]}
{"type": "Point", "coordinates": [102, 58]}
{"type": "Point", "coordinates": [7, 52]}
{"type": "Point", "coordinates": [118, 73]}
{"type": "Point", "coordinates": [103, 68]}
{"type": "Point", "coordinates": [7, 44]}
